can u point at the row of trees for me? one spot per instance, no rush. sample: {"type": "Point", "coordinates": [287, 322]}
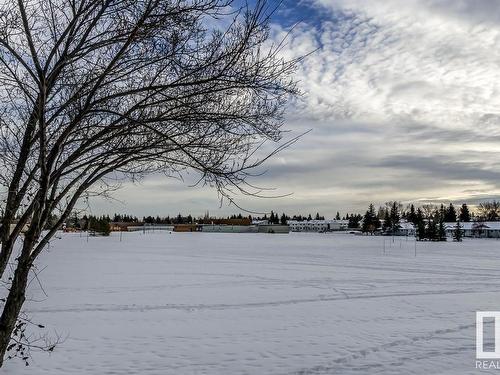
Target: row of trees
{"type": "Point", "coordinates": [431, 229]}
{"type": "Point", "coordinates": [392, 212]}
{"type": "Point", "coordinates": [447, 213]}
{"type": "Point", "coordinates": [485, 211]}
{"type": "Point", "coordinates": [298, 217]}
{"type": "Point", "coordinates": [76, 221]}
{"type": "Point", "coordinates": [273, 218]}
{"type": "Point", "coordinates": [98, 225]}
{"type": "Point", "coordinates": [91, 223]}
{"type": "Point", "coordinates": [386, 218]}
{"type": "Point", "coordinates": [429, 220]}
{"type": "Point", "coordinates": [429, 226]}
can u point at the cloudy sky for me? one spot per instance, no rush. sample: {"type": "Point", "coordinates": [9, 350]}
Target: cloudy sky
{"type": "Point", "coordinates": [403, 103]}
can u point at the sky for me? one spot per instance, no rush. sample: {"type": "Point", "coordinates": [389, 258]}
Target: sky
{"type": "Point", "coordinates": [402, 102]}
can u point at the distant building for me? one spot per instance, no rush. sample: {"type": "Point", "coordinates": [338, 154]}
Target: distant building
{"type": "Point", "coordinates": [150, 227]}
{"type": "Point", "coordinates": [122, 226]}
{"type": "Point", "coordinates": [260, 222]}
{"type": "Point", "coordinates": [405, 228]}
{"type": "Point", "coordinates": [242, 221]}
{"type": "Point", "coordinates": [485, 229]}
{"type": "Point", "coordinates": [319, 226]}
{"type": "Point", "coordinates": [244, 226]}
{"type": "Point", "coordinates": [187, 228]}
{"type": "Point", "coordinates": [218, 228]}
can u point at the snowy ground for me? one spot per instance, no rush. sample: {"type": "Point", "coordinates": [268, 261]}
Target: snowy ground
{"type": "Point", "coordinates": [194, 303]}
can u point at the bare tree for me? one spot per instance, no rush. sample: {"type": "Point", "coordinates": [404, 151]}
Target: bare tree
{"type": "Point", "coordinates": [97, 90]}
{"type": "Point", "coordinates": [489, 211]}
{"type": "Point", "coordinates": [429, 210]}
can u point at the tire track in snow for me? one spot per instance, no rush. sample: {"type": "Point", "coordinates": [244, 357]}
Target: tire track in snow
{"type": "Point", "coordinates": [221, 306]}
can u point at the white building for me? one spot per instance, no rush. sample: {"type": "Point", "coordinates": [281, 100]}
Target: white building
{"type": "Point", "coordinates": [318, 225]}
{"type": "Point", "coordinates": [405, 228]}
{"type": "Point", "coordinates": [485, 229]}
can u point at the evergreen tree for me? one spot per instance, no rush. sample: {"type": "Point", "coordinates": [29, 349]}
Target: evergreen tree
{"type": "Point", "coordinates": [441, 231]}
{"type": "Point", "coordinates": [85, 221]}
{"type": "Point", "coordinates": [457, 232]}
{"type": "Point", "coordinates": [431, 232]}
{"type": "Point", "coordinates": [395, 218]}
{"type": "Point", "coordinates": [420, 225]}
{"type": "Point", "coordinates": [387, 221]}
{"type": "Point", "coordinates": [370, 221]}
{"type": "Point", "coordinates": [274, 219]}
{"type": "Point", "coordinates": [99, 225]}
{"type": "Point", "coordinates": [365, 227]}
{"type": "Point", "coordinates": [381, 213]}
{"type": "Point", "coordinates": [376, 222]}
{"type": "Point", "coordinates": [354, 221]}
{"type": "Point", "coordinates": [105, 228]}
{"type": "Point", "coordinates": [283, 219]}
{"type": "Point", "coordinates": [412, 215]}
{"type": "Point", "coordinates": [419, 216]}
{"type": "Point", "coordinates": [441, 213]}
{"type": "Point", "coordinates": [337, 217]}
{"type": "Point", "coordinates": [465, 213]}
{"type": "Point", "coordinates": [451, 214]}
{"type": "Point", "coordinates": [74, 221]}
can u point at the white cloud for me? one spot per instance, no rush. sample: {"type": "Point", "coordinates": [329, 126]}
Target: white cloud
{"type": "Point", "coordinates": [423, 73]}
{"type": "Point", "coordinates": [381, 59]}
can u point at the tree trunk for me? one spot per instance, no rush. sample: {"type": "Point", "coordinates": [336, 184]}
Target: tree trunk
{"type": "Point", "coordinates": [6, 247]}
{"type": "Point", "coordinates": [14, 302]}
{"type": "Point", "coordinates": [6, 251]}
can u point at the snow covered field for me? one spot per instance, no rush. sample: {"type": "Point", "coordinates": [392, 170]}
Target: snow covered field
{"type": "Point", "coordinates": [195, 303]}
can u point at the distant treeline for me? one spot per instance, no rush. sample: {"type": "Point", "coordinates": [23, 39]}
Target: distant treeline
{"type": "Point", "coordinates": [428, 219]}
{"type": "Point", "coordinates": [385, 218]}
{"type": "Point", "coordinates": [79, 221]}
